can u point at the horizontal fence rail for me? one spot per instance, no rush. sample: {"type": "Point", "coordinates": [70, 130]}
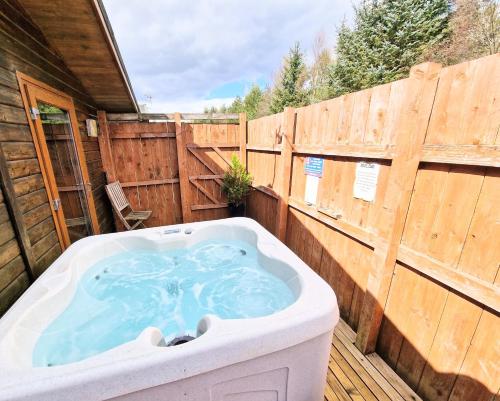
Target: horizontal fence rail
{"type": "Point", "coordinates": [171, 116]}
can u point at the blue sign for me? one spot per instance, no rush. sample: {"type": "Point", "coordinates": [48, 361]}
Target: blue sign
{"type": "Point", "coordinates": [314, 166]}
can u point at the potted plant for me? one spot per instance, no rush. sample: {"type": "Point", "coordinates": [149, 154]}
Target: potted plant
{"type": "Point", "coordinates": [236, 185]}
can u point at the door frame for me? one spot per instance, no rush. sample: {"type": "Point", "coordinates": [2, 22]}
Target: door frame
{"type": "Point", "coordinates": [32, 90]}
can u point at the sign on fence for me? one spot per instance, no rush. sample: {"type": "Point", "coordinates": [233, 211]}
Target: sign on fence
{"type": "Point", "coordinates": [365, 184]}
{"type": "Point", "coordinates": [314, 166]}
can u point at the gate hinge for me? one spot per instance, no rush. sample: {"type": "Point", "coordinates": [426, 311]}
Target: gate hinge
{"type": "Point", "coordinates": [34, 113]}
{"type": "Point", "coordinates": [56, 204]}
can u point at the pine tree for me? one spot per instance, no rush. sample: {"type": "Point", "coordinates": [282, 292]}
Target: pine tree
{"type": "Point", "coordinates": [252, 101]}
{"type": "Point", "coordinates": [389, 37]}
{"type": "Point", "coordinates": [290, 88]}
{"type": "Point", "coordinates": [236, 106]}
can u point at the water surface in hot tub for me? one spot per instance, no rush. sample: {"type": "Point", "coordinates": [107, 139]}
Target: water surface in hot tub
{"type": "Point", "coordinates": [117, 298]}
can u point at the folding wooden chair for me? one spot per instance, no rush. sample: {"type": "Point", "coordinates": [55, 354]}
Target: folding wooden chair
{"type": "Point", "coordinates": [120, 205]}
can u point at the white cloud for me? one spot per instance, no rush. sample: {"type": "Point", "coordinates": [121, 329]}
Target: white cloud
{"type": "Point", "coordinates": [178, 51]}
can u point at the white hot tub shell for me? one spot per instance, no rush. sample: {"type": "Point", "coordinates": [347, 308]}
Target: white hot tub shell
{"type": "Point", "coordinates": [279, 357]}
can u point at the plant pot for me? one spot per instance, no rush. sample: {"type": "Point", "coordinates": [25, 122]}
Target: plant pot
{"type": "Point", "coordinates": [236, 211]}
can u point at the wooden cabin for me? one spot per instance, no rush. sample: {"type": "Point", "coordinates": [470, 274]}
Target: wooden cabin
{"type": "Point", "coordinates": [59, 64]}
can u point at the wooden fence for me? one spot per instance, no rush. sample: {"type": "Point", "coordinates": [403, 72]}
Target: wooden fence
{"type": "Point", "coordinates": [416, 269]}
{"type": "Point", "coordinates": [173, 168]}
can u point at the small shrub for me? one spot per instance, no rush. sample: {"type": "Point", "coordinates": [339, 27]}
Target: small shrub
{"type": "Point", "coordinates": [237, 182]}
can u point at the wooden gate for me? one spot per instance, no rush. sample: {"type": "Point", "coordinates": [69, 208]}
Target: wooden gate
{"type": "Point", "coordinates": [174, 169]}
{"type": "Point", "coordinates": [204, 152]}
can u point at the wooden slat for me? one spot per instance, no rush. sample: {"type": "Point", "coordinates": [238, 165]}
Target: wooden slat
{"type": "Point", "coordinates": [211, 145]}
{"type": "Point", "coordinates": [150, 182]}
{"type": "Point", "coordinates": [358, 151]}
{"type": "Point", "coordinates": [285, 171]}
{"type": "Point", "coordinates": [141, 135]}
{"type": "Point", "coordinates": [16, 216]}
{"type": "Point", "coordinates": [205, 163]}
{"type": "Point", "coordinates": [417, 106]}
{"type": "Point", "coordinates": [476, 289]}
{"type": "Point", "coordinates": [222, 155]}
{"type": "Point", "coordinates": [105, 147]}
{"type": "Point", "coordinates": [183, 173]}
{"type": "Point", "coordinates": [243, 138]}
{"type": "Point", "coordinates": [210, 206]}
{"type": "Point", "coordinates": [344, 227]}
{"type": "Point", "coordinates": [204, 192]}
{"type": "Point", "coordinates": [354, 376]}
{"type": "Point", "coordinates": [267, 191]}
{"type": "Point", "coordinates": [206, 177]}
{"type": "Point", "coordinates": [472, 155]}
{"type": "Point", "coordinates": [264, 148]}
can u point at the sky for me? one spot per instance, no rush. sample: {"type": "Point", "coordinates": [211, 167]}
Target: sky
{"type": "Point", "coordinates": [185, 55]}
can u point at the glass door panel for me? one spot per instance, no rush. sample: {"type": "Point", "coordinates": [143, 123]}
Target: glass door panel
{"type": "Point", "coordinates": [62, 150]}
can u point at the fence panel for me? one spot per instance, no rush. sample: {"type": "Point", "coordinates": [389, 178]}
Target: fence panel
{"type": "Point", "coordinates": [425, 250]}
{"type": "Point", "coordinates": [145, 160]}
{"type": "Point", "coordinates": [173, 168]}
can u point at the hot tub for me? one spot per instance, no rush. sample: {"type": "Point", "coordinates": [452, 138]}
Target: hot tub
{"type": "Point", "coordinates": [102, 321]}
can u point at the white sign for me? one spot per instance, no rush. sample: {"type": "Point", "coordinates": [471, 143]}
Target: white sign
{"type": "Point", "coordinates": [312, 184]}
{"type": "Point", "coordinates": [365, 184]}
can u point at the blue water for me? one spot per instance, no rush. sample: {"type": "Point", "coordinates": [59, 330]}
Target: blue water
{"type": "Point", "coordinates": [120, 296]}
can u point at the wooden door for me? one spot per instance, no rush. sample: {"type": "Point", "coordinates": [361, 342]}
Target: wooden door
{"type": "Point", "coordinates": [60, 153]}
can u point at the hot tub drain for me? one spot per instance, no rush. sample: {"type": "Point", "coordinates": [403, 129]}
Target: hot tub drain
{"type": "Point", "coordinates": [180, 340]}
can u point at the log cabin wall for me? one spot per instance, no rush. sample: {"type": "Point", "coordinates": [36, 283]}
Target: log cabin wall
{"type": "Point", "coordinates": [415, 270]}
{"type": "Point", "coordinates": [23, 48]}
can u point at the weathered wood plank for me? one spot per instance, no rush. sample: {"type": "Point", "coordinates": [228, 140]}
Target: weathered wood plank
{"type": "Point", "coordinates": [183, 172]}
{"type": "Point", "coordinates": [150, 182]}
{"type": "Point", "coordinates": [358, 151]}
{"type": "Point", "coordinates": [9, 295]}
{"type": "Point", "coordinates": [15, 133]}
{"type": "Point", "coordinates": [10, 271]}
{"type": "Point", "coordinates": [264, 148]}
{"type": "Point", "coordinates": [472, 155]}
{"type": "Point", "coordinates": [210, 206]}
{"type": "Point", "coordinates": [16, 218]}
{"type": "Point", "coordinates": [243, 138]}
{"type": "Point", "coordinates": [348, 229]}
{"type": "Point", "coordinates": [416, 106]}
{"type": "Point", "coordinates": [12, 115]}
{"type": "Point", "coordinates": [23, 168]}
{"type": "Point", "coordinates": [285, 171]}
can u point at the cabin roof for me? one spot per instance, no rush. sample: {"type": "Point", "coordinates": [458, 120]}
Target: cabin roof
{"type": "Point", "coordinates": [81, 34]}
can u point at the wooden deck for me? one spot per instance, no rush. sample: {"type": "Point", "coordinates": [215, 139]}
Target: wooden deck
{"type": "Point", "coordinates": [353, 376]}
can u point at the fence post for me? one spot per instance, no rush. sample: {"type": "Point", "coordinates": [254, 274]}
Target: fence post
{"type": "Point", "coordinates": [108, 162]}
{"type": "Point", "coordinates": [285, 169]}
{"type": "Point", "coordinates": [243, 139]}
{"type": "Point", "coordinates": [414, 116]}
{"type": "Point", "coordinates": [183, 173]}
{"type": "Point", "coordinates": [105, 147]}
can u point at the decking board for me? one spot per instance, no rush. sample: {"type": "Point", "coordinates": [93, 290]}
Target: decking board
{"type": "Point", "coordinates": [353, 376]}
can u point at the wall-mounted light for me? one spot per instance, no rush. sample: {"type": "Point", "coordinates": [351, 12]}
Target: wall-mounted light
{"type": "Point", "coordinates": [91, 127]}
